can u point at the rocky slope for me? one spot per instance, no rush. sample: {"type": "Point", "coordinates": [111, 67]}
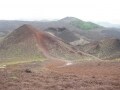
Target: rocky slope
{"type": "Point", "coordinates": [108, 48]}
{"type": "Point", "coordinates": [27, 41]}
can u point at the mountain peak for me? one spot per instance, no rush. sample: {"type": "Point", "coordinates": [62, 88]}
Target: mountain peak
{"type": "Point", "coordinates": [79, 23]}
{"type": "Point", "coordinates": [22, 33]}
{"type": "Point", "coordinates": [25, 28]}
{"type": "Point", "coordinates": [69, 19]}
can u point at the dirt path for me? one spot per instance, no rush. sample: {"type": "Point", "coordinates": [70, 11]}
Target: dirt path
{"type": "Point", "coordinates": [57, 63]}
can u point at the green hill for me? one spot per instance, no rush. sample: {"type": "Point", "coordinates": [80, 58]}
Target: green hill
{"type": "Point", "coordinates": [80, 24]}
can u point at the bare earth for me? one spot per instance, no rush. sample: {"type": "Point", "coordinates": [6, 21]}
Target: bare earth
{"type": "Point", "coordinates": [61, 75]}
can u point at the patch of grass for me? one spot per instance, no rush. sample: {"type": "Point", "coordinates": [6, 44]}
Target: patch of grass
{"type": "Point", "coordinates": [84, 25]}
{"type": "Point", "coordinates": [13, 61]}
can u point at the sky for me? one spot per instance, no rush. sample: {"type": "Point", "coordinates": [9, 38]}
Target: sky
{"type": "Point", "coordinates": [88, 10]}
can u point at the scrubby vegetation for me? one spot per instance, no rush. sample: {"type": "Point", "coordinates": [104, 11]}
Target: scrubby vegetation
{"type": "Point", "coordinates": [80, 24]}
{"type": "Point", "coordinates": [84, 25]}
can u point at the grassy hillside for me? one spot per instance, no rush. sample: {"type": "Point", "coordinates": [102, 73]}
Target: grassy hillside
{"type": "Point", "coordinates": [80, 24]}
{"type": "Point", "coordinates": [84, 25]}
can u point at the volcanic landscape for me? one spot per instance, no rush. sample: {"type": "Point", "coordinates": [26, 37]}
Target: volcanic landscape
{"type": "Point", "coordinates": [46, 58]}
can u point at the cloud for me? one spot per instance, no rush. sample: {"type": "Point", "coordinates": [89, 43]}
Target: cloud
{"type": "Point", "coordinates": [90, 10]}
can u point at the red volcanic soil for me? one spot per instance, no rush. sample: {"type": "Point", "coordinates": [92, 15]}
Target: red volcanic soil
{"type": "Point", "coordinates": [50, 46]}
{"type": "Point", "coordinates": [55, 75]}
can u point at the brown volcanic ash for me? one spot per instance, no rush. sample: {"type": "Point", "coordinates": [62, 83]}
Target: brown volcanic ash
{"type": "Point", "coordinates": [28, 41]}
{"type": "Point", "coordinates": [20, 43]}
{"type": "Point", "coordinates": [20, 34]}
{"type": "Point", "coordinates": [108, 48]}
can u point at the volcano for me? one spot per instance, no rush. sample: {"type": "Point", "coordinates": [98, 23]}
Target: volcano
{"type": "Point", "coordinates": [28, 42]}
{"type": "Point", "coordinates": [21, 43]}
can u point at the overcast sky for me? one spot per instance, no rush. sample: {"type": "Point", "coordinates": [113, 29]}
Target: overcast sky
{"type": "Point", "coordinates": [88, 10]}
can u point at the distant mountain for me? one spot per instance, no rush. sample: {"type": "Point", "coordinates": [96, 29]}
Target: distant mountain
{"type": "Point", "coordinates": [111, 32]}
{"type": "Point", "coordinates": [29, 43]}
{"type": "Point", "coordinates": [71, 22]}
{"type": "Point", "coordinates": [70, 34]}
{"type": "Point", "coordinates": [75, 29]}
{"type": "Point", "coordinates": [80, 24]}
{"type": "Point", "coordinates": [109, 25]}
